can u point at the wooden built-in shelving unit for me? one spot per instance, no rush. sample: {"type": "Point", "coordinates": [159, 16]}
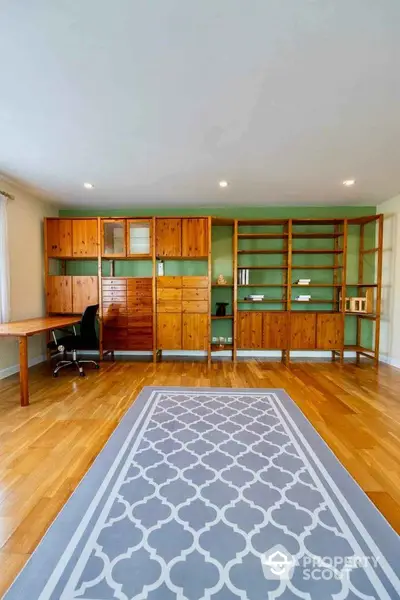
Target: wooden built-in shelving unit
{"type": "Point", "coordinates": [114, 262]}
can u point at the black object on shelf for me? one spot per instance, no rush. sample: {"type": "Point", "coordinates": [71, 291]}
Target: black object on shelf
{"type": "Point", "coordinates": [221, 309]}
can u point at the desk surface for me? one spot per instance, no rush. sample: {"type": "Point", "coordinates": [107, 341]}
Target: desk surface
{"type": "Point", "coordinates": [38, 325]}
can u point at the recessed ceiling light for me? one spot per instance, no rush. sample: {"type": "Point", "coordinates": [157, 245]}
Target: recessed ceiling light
{"type": "Point", "coordinates": [349, 182]}
{"type": "Point", "coordinates": [88, 186]}
{"type": "Point", "coordinates": [223, 183]}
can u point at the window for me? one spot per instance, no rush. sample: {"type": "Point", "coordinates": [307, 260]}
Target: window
{"type": "Point", "coordinates": [4, 264]}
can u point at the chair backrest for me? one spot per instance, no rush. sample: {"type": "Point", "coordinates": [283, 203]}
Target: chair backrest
{"type": "Point", "coordinates": [88, 326]}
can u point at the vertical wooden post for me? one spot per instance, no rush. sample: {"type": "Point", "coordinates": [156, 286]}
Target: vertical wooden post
{"type": "Point", "coordinates": [379, 288]}
{"type": "Point", "coordinates": [23, 370]}
{"type": "Point", "coordinates": [153, 286]}
{"type": "Point", "coordinates": [360, 280]}
{"type": "Point", "coordinates": [235, 290]}
{"type": "Point", "coordinates": [289, 284]}
{"type": "Point", "coordinates": [209, 291]}
{"type": "Point", "coordinates": [343, 282]}
{"type": "Point", "coordinates": [99, 276]}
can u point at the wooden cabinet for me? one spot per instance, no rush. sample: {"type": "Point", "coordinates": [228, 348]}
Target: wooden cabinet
{"type": "Point", "coordinates": [85, 292]}
{"type": "Point", "coordinates": [275, 329]}
{"type": "Point", "coordinates": [127, 313]}
{"type": "Point", "coordinates": [59, 294]}
{"type": "Point", "coordinates": [195, 332]}
{"type": "Point", "coordinates": [59, 238]}
{"type": "Point", "coordinates": [330, 331]}
{"type": "Point", "coordinates": [84, 238]}
{"type": "Point", "coordinates": [195, 237]}
{"type": "Point", "coordinates": [139, 238]}
{"type": "Point", "coordinates": [182, 313]}
{"type": "Point", "coordinates": [303, 326]}
{"type": "Point", "coordinates": [169, 237]}
{"type": "Point", "coordinates": [113, 238]}
{"type": "Point", "coordinates": [249, 330]}
{"type": "Point", "coordinates": [169, 331]}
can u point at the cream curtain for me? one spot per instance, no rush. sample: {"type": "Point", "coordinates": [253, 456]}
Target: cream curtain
{"type": "Point", "coordinates": [4, 264]}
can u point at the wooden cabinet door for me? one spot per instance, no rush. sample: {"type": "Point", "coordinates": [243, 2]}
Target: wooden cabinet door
{"type": "Point", "coordinates": [168, 237]}
{"type": "Point", "coordinates": [169, 331]}
{"type": "Point", "coordinates": [139, 238]}
{"type": "Point", "coordinates": [59, 294]}
{"type": "Point", "coordinates": [84, 238]}
{"type": "Point", "coordinates": [195, 332]}
{"type": "Point", "coordinates": [113, 238]}
{"type": "Point", "coordinates": [275, 330]}
{"type": "Point", "coordinates": [330, 331]}
{"type": "Point", "coordinates": [59, 238]}
{"type": "Point", "coordinates": [195, 237]}
{"type": "Point", "coordinates": [303, 326]}
{"type": "Point", "coordinates": [249, 330]}
{"type": "Point", "coordinates": [85, 292]}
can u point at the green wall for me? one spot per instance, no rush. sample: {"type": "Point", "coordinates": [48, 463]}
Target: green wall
{"type": "Point", "coordinates": [222, 255]}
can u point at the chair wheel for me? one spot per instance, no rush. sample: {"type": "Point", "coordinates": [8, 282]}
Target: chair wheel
{"type": "Point", "coordinates": [97, 367]}
{"type": "Point", "coordinates": [81, 374]}
{"type": "Point", "coordinates": [55, 374]}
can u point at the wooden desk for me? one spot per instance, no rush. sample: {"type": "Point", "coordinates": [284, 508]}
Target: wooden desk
{"type": "Point", "coordinates": [24, 329]}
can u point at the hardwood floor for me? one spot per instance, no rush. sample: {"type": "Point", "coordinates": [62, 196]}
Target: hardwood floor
{"type": "Point", "coordinates": [47, 447]}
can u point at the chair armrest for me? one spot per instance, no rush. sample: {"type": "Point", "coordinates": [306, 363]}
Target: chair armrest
{"type": "Point", "coordinates": [69, 329]}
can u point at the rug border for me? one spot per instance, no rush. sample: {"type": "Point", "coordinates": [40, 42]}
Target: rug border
{"type": "Point", "coordinates": [28, 581]}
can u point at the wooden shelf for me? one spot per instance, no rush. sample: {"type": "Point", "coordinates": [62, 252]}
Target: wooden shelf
{"type": "Point", "coordinates": [372, 285]}
{"type": "Point", "coordinates": [320, 267]}
{"type": "Point", "coordinates": [262, 285]}
{"type": "Point", "coordinates": [263, 252]}
{"type": "Point", "coordinates": [370, 316]}
{"type": "Point", "coordinates": [262, 236]}
{"type": "Point", "coordinates": [262, 222]}
{"type": "Point", "coordinates": [316, 236]}
{"type": "Point", "coordinates": [218, 348]}
{"type": "Point", "coordinates": [320, 251]}
{"type": "Point", "coordinates": [225, 285]}
{"type": "Point", "coordinates": [265, 267]}
{"type": "Point", "coordinates": [215, 317]}
{"type": "Point", "coordinates": [316, 301]}
{"type": "Point", "coordinates": [266, 301]}
{"type": "Point", "coordinates": [317, 285]}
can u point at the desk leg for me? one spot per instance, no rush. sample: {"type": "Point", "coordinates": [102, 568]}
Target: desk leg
{"type": "Point", "coordinates": [23, 370]}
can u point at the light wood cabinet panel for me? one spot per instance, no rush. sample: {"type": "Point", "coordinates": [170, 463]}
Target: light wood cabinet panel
{"type": "Point", "coordinates": [195, 294]}
{"type": "Point", "coordinates": [168, 237]}
{"type": "Point", "coordinates": [169, 282]}
{"type": "Point", "coordinates": [85, 292]}
{"type": "Point", "coordinates": [169, 294]}
{"type": "Point", "coordinates": [249, 330]}
{"type": "Point", "coordinates": [170, 306]}
{"type": "Point", "coordinates": [303, 327]}
{"type": "Point", "coordinates": [59, 294]}
{"type": "Point", "coordinates": [195, 332]}
{"type": "Point", "coordinates": [84, 238]}
{"type": "Point", "coordinates": [194, 281]}
{"type": "Point", "coordinates": [169, 331]}
{"type": "Point", "coordinates": [329, 331]}
{"type": "Point", "coordinates": [195, 237]}
{"type": "Point", "coordinates": [59, 238]}
{"type": "Point", "coordinates": [113, 238]}
{"type": "Point", "coordinates": [275, 331]}
{"type": "Point", "coordinates": [194, 306]}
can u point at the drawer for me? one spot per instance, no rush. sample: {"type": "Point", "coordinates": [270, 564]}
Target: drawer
{"type": "Point", "coordinates": [115, 322]}
{"type": "Point", "coordinates": [195, 294]}
{"type": "Point", "coordinates": [194, 306]}
{"type": "Point", "coordinates": [140, 300]}
{"type": "Point", "coordinates": [139, 309]}
{"type": "Point", "coordinates": [139, 284]}
{"type": "Point", "coordinates": [169, 294]}
{"type": "Point", "coordinates": [171, 306]}
{"type": "Point", "coordinates": [169, 282]}
{"type": "Point", "coordinates": [113, 282]}
{"type": "Point", "coordinates": [189, 281]}
{"type": "Point", "coordinates": [139, 340]}
{"type": "Point", "coordinates": [114, 308]}
{"type": "Point", "coordinates": [140, 321]}
{"type": "Point", "coordinates": [140, 293]}
{"type": "Point", "coordinates": [113, 297]}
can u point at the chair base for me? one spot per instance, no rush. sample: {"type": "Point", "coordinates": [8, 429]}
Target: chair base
{"type": "Point", "coordinates": [61, 364]}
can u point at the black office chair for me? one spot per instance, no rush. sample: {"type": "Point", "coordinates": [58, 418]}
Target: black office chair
{"type": "Point", "coordinates": [86, 340]}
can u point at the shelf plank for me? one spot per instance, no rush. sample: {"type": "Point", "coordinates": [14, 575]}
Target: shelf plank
{"type": "Point", "coordinates": [266, 268]}
{"type": "Point", "coordinates": [315, 301]}
{"type": "Point", "coordinates": [218, 348]}
{"type": "Point", "coordinates": [225, 285]}
{"type": "Point", "coordinates": [262, 285]}
{"type": "Point", "coordinates": [266, 301]}
{"type": "Point", "coordinates": [262, 252]}
{"type": "Point", "coordinates": [316, 236]}
{"type": "Point", "coordinates": [317, 285]}
{"type": "Point", "coordinates": [262, 236]}
{"type": "Point", "coordinates": [320, 251]}
{"type": "Point", "coordinates": [372, 285]}
{"type": "Point", "coordinates": [216, 317]}
{"type": "Point", "coordinates": [320, 267]}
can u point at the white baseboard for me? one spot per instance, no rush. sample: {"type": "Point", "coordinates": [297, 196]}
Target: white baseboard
{"type": "Point", "coordinates": [389, 361]}
{"type": "Point", "coordinates": [15, 368]}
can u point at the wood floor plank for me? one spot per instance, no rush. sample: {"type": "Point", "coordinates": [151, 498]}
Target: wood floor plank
{"type": "Point", "coordinates": [46, 448]}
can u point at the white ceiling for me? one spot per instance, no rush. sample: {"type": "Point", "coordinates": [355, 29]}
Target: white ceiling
{"type": "Point", "coordinates": [155, 101]}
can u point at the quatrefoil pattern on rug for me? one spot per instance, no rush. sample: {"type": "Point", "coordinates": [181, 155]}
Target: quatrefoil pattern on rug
{"type": "Point", "coordinates": [212, 484]}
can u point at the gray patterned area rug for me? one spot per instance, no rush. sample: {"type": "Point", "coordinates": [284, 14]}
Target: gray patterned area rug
{"type": "Point", "coordinates": [212, 493]}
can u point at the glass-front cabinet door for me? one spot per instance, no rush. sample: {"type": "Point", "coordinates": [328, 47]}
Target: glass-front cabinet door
{"type": "Point", "coordinates": [113, 237]}
{"type": "Point", "coordinates": [139, 238]}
